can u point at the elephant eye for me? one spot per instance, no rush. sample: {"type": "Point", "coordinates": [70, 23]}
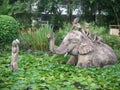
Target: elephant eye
{"type": "Point", "coordinates": [69, 40]}
{"type": "Point", "coordinates": [82, 37]}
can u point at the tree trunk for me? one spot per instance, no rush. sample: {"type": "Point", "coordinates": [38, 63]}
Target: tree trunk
{"type": "Point", "coordinates": [69, 11]}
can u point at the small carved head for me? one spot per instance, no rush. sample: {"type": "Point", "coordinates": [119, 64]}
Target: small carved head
{"type": "Point", "coordinates": [50, 36]}
{"type": "Point", "coordinates": [75, 21]}
{"type": "Point", "coordinates": [15, 42]}
{"type": "Point", "coordinates": [87, 25]}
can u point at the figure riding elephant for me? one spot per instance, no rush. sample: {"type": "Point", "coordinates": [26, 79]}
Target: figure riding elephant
{"type": "Point", "coordinates": [85, 51]}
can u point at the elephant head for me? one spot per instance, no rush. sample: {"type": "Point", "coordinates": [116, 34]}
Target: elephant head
{"type": "Point", "coordinates": [74, 43]}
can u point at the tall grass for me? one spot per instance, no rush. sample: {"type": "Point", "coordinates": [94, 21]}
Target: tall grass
{"type": "Point", "coordinates": [36, 39]}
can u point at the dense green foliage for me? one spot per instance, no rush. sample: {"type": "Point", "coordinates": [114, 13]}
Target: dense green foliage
{"type": "Point", "coordinates": [36, 39]}
{"type": "Point", "coordinates": [45, 72]}
{"type": "Point", "coordinates": [103, 12]}
{"type": "Point", "coordinates": [9, 29]}
{"type": "Point", "coordinates": [5, 7]}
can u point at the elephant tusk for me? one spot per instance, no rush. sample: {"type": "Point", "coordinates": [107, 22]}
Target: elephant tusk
{"type": "Point", "coordinates": [65, 54]}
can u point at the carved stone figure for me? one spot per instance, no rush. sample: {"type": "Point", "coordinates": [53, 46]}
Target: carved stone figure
{"type": "Point", "coordinates": [96, 38]}
{"type": "Point", "coordinates": [15, 51]}
{"type": "Point", "coordinates": [76, 24]}
{"type": "Point", "coordinates": [85, 52]}
{"type": "Point", "coordinates": [87, 26]}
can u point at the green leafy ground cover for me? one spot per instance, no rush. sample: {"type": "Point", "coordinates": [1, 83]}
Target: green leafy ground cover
{"type": "Point", "coordinates": [49, 72]}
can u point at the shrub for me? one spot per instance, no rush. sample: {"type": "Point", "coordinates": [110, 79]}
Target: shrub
{"type": "Point", "coordinates": [101, 30]}
{"type": "Point", "coordinates": [8, 29]}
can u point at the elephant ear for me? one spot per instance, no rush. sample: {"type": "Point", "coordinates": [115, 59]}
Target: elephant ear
{"type": "Point", "coordinates": [85, 46]}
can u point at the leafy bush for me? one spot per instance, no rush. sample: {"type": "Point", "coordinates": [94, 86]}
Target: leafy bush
{"type": "Point", "coordinates": [8, 29]}
{"type": "Point", "coordinates": [36, 39]}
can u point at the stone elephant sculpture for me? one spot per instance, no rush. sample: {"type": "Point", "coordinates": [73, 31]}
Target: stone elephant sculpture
{"type": "Point", "coordinates": [85, 51]}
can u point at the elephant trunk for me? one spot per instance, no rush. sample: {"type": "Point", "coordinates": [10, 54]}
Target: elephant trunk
{"type": "Point", "coordinates": [60, 50]}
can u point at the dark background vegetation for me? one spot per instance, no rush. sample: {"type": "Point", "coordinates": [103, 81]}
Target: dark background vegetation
{"type": "Point", "coordinates": [102, 12]}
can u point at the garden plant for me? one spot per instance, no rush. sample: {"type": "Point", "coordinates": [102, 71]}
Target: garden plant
{"type": "Point", "coordinates": [9, 29]}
